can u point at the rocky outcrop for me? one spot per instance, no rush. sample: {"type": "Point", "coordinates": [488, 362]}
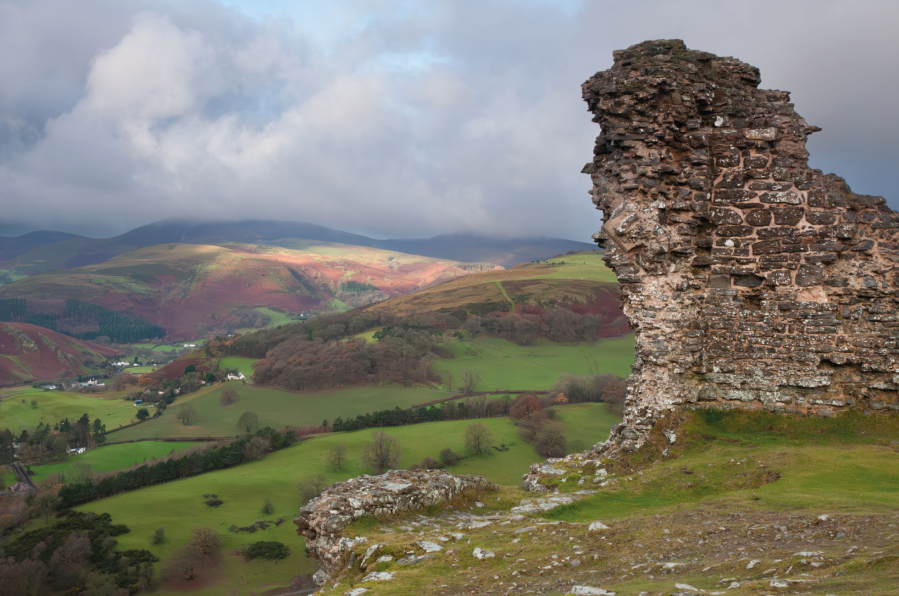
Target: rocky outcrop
{"type": "Point", "coordinates": [323, 518]}
{"type": "Point", "coordinates": [750, 279]}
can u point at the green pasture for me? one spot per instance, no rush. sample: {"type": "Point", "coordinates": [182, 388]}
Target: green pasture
{"type": "Point", "coordinates": [244, 365]}
{"type": "Point", "coordinates": [503, 365]}
{"type": "Point", "coordinates": [7, 476]}
{"type": "Point", "coordinates": [177, 507]}
{"type": "Point", "coordinates": [53, 406]}
{"type": "Point", "coordinates": [158, 347]}
{"type": "Point", "coordinates": [139, 370]}
{"type": "Point", "coordinates": [845, 464]}
{"type": "Point", "coordinates": [111, 457]}
{"type": "Point", "coordinates": [584, 265]}
{"type": "Point", "coordinates": [276, 408]}
{"type": "Point", "coordinates": [277, 318]}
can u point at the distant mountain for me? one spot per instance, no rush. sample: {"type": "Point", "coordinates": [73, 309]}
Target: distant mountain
{"type": "Point", "coordinates": [195, 290]}
{"type": "Point", "coordinates": [32, 353]}
{"type": "Point", "coordinates": [41, 252]}
{"type": "Point", "coordinates": [471, 248]}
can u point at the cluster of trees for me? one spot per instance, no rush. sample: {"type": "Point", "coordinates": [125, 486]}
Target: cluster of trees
{"type": "Point", "coordinates": [473, 407]}
{"type": "Point", "coordinates": [301, 364]}
{"type": "Point", "coordinates": [46, 443]}
{"type": "Point", "coordinates": [81, 320]}
{"type": "Point", "coordinates": [74, 556]}
{"type": "Point", "coordinates": [609, 389]}
{"type": "Point", "coordinates": [247, 448]}
{"type": "Point", "coordinates": [532, 414]}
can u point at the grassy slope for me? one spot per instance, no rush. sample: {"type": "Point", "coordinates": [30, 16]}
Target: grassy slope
{"type": "Point", "coordinates": [276, 408]}
{"type": "Point", "coordinates": [508, 366]}
{"type": "Point", "coordinates": [585, 276]}
{"type": "Point", "coordinates": [244, 365]}
{"type": "Point", "coordinates": [178, 506]}
{"type": "Point", "coordinates": [53, 406]}
{"type": "Point", "coordinates": [112, 457]}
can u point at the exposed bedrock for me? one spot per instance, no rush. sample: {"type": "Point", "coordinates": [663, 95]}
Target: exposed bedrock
{"type": "Point", "coordinates": [323, 519]}
{"type": "Point", "coordinates": [751, 280]}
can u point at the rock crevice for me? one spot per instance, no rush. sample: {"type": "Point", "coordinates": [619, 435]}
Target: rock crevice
{"type": "Point", "coordinates": [750, 279]}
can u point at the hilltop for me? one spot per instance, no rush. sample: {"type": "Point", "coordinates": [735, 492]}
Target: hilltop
{"type": "Point", "coordinates": [198, 290]}
{"type": "Point", "coordinates": [32, 353]}
{"type": "Point", "coordinates": [44, 251]}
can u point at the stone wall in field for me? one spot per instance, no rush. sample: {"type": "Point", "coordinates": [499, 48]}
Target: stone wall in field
{"type": "Point", "coordinates": [323, 519]}
{"type": "Point", "coordinates": [751, 280]}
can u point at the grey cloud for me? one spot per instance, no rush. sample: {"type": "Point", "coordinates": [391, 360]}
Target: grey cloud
{"type": "Point", "coordinates": [451, 116]}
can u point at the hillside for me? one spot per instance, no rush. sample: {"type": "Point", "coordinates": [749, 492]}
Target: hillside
{"type": "Point", "coordinates": [580, 283]}
{"type": "Point", "coordinates": [41, 252]}
{"type": "Point", "coordinates": [200, 290]}
{"type": "Point", "coordinates": [32, 353]}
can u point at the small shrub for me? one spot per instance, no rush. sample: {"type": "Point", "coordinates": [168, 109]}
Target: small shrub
{"type": "Point", "coordinates": [159, 536]}
{"type": "Point", "coordinates": [449, 457]}
{"type": "Point", "coordinates": [429, 463]}
{"type": "Point", "coordinates": [214, 502]}
{"type": "Point", "coordinates": [268, 550]}
{"type": "Point", "coordinates": [268, 508]}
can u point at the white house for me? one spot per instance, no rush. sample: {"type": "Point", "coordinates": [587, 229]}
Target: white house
{"type": "Point", "coordinates": [190, 345]}
{"type": "Point", "coordinates": [238, 377]}
{"type": "Point", "coordinates": [75, 451]}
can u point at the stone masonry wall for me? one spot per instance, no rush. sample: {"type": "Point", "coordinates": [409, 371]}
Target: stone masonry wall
{"type": "Point", "coordinates": [751, 280]}
{"type": "Point", "coordinates": [323, 519]}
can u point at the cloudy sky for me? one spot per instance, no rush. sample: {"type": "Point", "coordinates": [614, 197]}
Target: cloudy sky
{"type": "Point", "coordinates": [392, 119]}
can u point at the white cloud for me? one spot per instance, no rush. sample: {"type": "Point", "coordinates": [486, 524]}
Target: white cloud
{"type": "Point", "coordinates": [413, 119]}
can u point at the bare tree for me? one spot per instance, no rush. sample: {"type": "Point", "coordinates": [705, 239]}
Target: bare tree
{"type": "Point", "coordinates": [337, 455]}
{"type": "Point", "coordinates": [185, 413]}
{"type": "Point", "coordinates": [184, 563]}
{"type": "Point", "coordinates": [478, 438]}
{"type": "Point", "coordinates": [381, 453]}
{"type": "Point", "coordinates": [256, 448]}
{"type": "Point", "coordinates": [450, 381]}
{"type": "Point", "coordinates": [470, 380]}
{"type": "Point", "coordinates": [312, 487]}
{"type": "Point", "coordinates": [205, 539]}
{"type": "Point", "coordinates": [45, 505]}
{"type": "Point", "coordinates": [229, 396]}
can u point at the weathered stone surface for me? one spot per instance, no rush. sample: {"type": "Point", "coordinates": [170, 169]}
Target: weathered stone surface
{"type": "Point", "coordinates": [768, 284]}
{"type": "Point", "coordinates": [322, 519]}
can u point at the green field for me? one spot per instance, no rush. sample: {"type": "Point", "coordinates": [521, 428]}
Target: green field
{"type": "Point", "coordinates": [244, 365]}
{"type": "Point", "coordinates": [503, 365]}
{"type": "Point", "coordinates": [139, 370]}
{"type": "Point", "coordinates": [53, 406]}
{"type": "Point", "coordinates": [584, 265]}
{"type": "Point", "coordinates": [158, 348]}
{"type": "Point", "coordinates": [277, 318]}
{"type": "Point", "coordinates": [112, 457]}
{"type": "Point", "coordinates": [178, 506]}
{"type": "Point", "coordinates": [276, 408]}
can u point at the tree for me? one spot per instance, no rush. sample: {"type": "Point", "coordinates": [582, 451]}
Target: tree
{"type": "Point", "coordinates": [184, 563]}
{"type": "Point", "coordinates": [268, 508]}
{"type": "Point", "coordinates": [256, 448]}
{"type": "Point", "coordinates": [337, 455]}
{"type": "Point", "coordinates": [450, 381]}
{"type": "Point", "coordinates": [312, 487]}
{"type": "Point", "coordinates": [34, 403]}
{"type": "Point", "coordinates": [143, 414]}
{"type": "Point", "coordinates": [560, 399]}
{"type": "Point", "coordinates": [478, 438]}
{"type": "Point", "coordinates": [449, 457]}
{"type": "Point", "coordinates": [205, 539]}
{"type": "Point", "coordinates": [470, 379]}
{"type": "Point", "coordinates": [229, 396]}
{"type": "Point", "coordinates": [381, 453]}
{"type": "Point", "coordinates": [98, 432]}
{"type": "Point", "coordinates": [190, 368]}
{"type": "Point", "coordinates": [185, 413]}
{"type": "Point", "coordinates": [248, 422]}
{"type": "Point", "coordinates": [524, 405]}
{"type": "Point", "coordinates": [551, 443]}
{"type": "Point", "coordinates": [45, 505]}
{"type": "Point", "coordinates": [532, 424]}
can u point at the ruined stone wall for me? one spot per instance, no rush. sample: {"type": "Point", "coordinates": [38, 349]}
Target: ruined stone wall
{"type": "Point", "coordinates": [751, 280]}
{"type": "Point", "coordinates": [323, 519]}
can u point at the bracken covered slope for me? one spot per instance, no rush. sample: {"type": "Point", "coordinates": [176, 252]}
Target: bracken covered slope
{"type": "Point", "coordinates": [752, 280]}
{"type": "Point", "coordinates": [198, 290]}
{"type": "Point", "coordinates": [32, 353]}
